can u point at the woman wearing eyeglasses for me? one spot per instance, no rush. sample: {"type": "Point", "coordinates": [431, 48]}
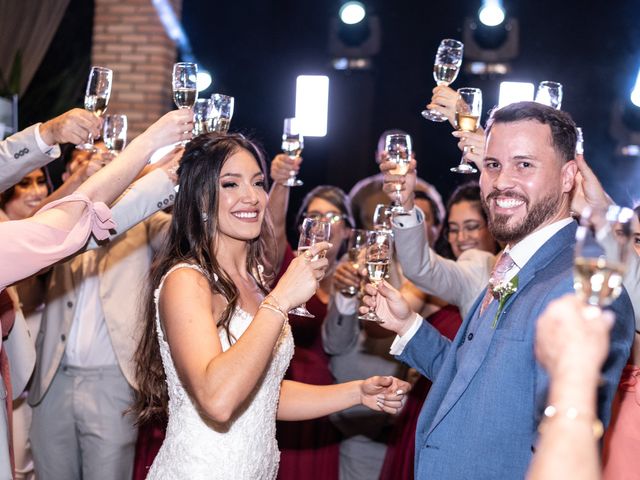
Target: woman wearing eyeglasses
{"type": "Point", "coordinates": [309, 449]}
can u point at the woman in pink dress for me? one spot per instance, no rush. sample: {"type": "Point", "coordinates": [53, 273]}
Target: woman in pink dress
{"type": "Point", "coordinates": [62, 227]}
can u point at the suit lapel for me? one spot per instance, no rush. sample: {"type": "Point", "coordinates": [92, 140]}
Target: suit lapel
{"type": "Point", "coordinates": [475, 356]}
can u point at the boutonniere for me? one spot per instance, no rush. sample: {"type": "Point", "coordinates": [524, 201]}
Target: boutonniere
{"type": "Point", "coordinates": [501, 292]}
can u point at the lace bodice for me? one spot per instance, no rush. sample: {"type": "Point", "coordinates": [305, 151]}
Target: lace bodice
{"type": "Point", "coordinates": [245, 447]}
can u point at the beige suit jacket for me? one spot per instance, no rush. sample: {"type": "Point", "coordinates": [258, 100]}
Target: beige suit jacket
{"type": "Point", "coordinates": [19, 155]}
{"type": "Point", "coordinates": [123, 267]}
{"type": "Point", "coordinates": [456, 282]}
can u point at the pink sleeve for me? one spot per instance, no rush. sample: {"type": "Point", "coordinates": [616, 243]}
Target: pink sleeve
{"type": "Point", "coordinates": [27, 246]}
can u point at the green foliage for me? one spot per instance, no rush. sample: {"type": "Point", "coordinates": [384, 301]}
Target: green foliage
{"type": "Point", "coordinates": [11, 85]}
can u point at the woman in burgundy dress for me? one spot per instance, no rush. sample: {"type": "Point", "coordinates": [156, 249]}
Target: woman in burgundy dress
{"type": "Point", "coordinates": [309, 449]}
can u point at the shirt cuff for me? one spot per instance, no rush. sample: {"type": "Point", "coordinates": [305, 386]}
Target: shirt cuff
{"type": "Point", "coordinates": [415, 217]}
{"type": "Point", "coordinates": [48, 150]}
{"type": "Point", "coordinates": [346, 305]}
{"type": "Point", "coordinates": [397, 347]}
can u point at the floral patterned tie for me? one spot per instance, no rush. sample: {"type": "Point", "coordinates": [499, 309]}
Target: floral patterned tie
{"type": "Point", "coordinates": [498, 274]}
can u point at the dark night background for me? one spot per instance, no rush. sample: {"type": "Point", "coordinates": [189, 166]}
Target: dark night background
{"type": "Point", "coordinates": [256, 49]}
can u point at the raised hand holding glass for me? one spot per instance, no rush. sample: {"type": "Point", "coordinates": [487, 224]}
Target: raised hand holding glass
{"type": "Point", "coordinates": [600, 261]}
{"type": "Point", "coordinates": [312, 231]}
{"type": "Point", "coordinates": [398, 147]}
{"type": "Point", "coordinates": [445, 70]}
{"type": "Point", "coordinates": [468, 112]}
{"type": "Point", "coordinates": [378, 258]}
{"type": "Point", "coordinates": [96, 97]}
{"type": "Point", "coordinates": [292, 145]}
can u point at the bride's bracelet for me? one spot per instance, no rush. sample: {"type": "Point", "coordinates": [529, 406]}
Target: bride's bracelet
{"type": "Point", "coordinates": [271, 303]}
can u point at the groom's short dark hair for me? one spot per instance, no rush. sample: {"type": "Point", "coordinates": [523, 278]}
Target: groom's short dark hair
{"type": "Point", "coordinates": [563, 128]}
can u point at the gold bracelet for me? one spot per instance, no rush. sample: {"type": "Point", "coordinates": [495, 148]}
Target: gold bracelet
{"type": "Point", "coordinates": [572, 413]}
{"type": "Point", "coordinates": [268, 306]}
{"type": "Point", "coordinates": [273, 301]}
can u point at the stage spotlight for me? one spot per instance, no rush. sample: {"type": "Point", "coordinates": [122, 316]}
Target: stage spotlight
{"type": "Point", "coordinates": [491, 48]}
{"type": "Point", "coordinates": [204, 80]}
{"type": "Point", "coordinates": [512, 92]}
{"type": "Point", "coordinates": [312, 104]}
{"type": "Point", "coordinates": [352, 13]}
{"type": "Point", "coordinates": [635, 93]}
{"type": "Point", "coordinates": [491, 13]}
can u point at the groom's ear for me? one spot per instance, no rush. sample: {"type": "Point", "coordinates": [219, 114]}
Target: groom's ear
{"type": "Point", "coordinates": [568, 176]}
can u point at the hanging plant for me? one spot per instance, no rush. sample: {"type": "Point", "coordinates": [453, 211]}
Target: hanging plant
{"type": "Point", "coordinates": [10, 85]}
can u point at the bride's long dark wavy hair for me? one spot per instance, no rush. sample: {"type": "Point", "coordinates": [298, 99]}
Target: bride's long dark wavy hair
{"type": "Point", "coordinates": [191, 239]}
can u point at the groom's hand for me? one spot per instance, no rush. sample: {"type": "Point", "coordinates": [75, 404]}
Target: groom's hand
{"type": "Point", "coordinates": [389, 304]}
{"type": "Point", "coordinates": [384, 393]}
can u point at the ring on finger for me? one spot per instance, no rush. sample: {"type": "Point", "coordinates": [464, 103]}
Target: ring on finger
{"type": "Point", "coordinates": [308, 255]}
{"type": "Point", "coordinates": [471, 149]}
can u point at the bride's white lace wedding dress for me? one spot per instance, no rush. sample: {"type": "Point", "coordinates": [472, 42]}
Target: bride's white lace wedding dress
{"type": "Point", "coordinates": [245, 447]}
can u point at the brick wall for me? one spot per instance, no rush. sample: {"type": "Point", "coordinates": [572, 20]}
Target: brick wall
{"type": "Point", "coordinates": [129, 38]}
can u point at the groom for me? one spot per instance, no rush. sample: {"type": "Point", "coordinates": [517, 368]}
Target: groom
{"type": "Point", "coordinates": [481, 416]}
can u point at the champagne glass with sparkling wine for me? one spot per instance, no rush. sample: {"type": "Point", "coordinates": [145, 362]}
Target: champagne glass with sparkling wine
{"type": "Point", "coordinates": [468, 111]}
{"type": "Point", "coordinates": [355, 251]}
{"type": "Point", "coordinates": [221, 113]}
{"type": "Point", "coordinates": [550, 94]}
{"type": "Point", "coordinates": [312, 231]}
{"type": "Point", "coordinates": [382, 216]}
{"type": "Point", "coordinates": [445, 70]}
{"type": "Point", "coordinates": [377, 257]}
{"type": "Point", "coordinates": [201, 110]}
{"type": "Point", "coordinates": [185, 91]}
{"type": "Point", "coordinates": [114, 133]}
{"type": "Point", "coordinates": [96, 97]}
{"type": "Point", "coordinates": [600, 261]}
{"type": "Point", "coordinates": [292, 145]}
{"type": "Point", "coordinates": [398, 147]}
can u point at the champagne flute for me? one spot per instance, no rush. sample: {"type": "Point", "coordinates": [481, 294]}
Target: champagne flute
{"type": "Point", "coordinates": [468, 111]}
{"type": "Point", "coordinates": [600, 262]}
{"type": "Point", "coordinates": [382, 216]}
{"type": "Point", "coordinates": [355, 251]}
{"type": "Point", "coordinates": [221, 113]}
{"type": "Point", "coordinates": [185, 91]}
{"type": "Point", "coordinates": [114, 133]}
{"type": "Point", "coordinates": [445, 70]}
{"type": "Point", "coordinates": [201, 110]}
{"type": "Point", "coordinates": [377, 257]}
{"type": "Point", "coordinates": [312, 231]}
{"type": "Point", "coordinates": [550, 94]}
{"type": "Point", "coordinates": [398, 147]}
{"type": "Point", "coordinates": [292, 145]}
{"type": "Point", "coordinates": [96, 97]}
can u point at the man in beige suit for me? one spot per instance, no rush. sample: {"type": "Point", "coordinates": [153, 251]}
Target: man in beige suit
{"type": "Point", "coordinates": [37, 145]}
{"type": "Point", "coordinates": [83, 380]}
{"type": "Point", "coordinates": [21, 153]}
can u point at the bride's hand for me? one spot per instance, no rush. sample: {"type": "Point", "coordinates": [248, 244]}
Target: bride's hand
{"type": "Point", "coordinates": [384, 393]}
{"type": "Point", "coordinates": [300, 281]}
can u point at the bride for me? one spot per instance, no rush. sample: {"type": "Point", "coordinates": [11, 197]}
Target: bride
{"type": "Point", "coordinates": [216, 342]}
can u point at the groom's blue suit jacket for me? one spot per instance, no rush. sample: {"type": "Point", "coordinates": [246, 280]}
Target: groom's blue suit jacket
{"type": "Point", "coordinates": [481, 415]}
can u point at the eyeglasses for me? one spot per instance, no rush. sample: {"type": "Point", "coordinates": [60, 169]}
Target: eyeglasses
{"type": "Point", "coordinates": [331, 217]}
{"type": "Point", "coordinates": [469, 228]}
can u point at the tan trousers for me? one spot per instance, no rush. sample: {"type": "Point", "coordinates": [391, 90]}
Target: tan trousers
{"type": "Point", "coordinates": [79, 430]}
